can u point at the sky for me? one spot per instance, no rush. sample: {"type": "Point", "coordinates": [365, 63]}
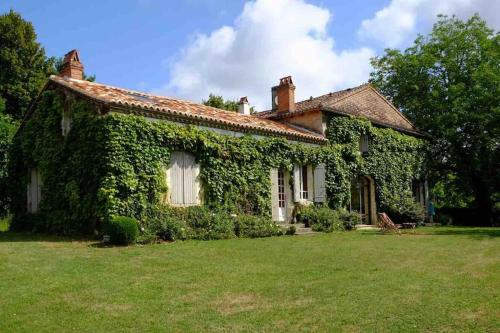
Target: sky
{"type": "Point", "coordinates": [190, 48]}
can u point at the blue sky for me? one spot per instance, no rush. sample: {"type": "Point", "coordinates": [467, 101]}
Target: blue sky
{"type": "Point", "coordinates": [172, 47]}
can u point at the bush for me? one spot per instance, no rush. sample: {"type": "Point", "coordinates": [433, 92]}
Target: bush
{"type": "Point", "coordinates": [349, 219]}
{"type": "Point", "coordinates": [408, 211]}
{"type": "Point", "coordinates": [197, 222]}
{"type": "Point", "coordinates": [169, 225]}
{"type": "Point", "coordinates": [29, 222]}
{"type": "Point", "coordinates": [326, 220]}
{"type": "Point", "coordinates": [122, 230]}
{"type": "Point", "coordinates": [321, 218]}
{"type": "Point", "coordinates": [206, 224]}
{"type": "Point", "coordinates": [255, 226]}
{"type": "Point", "coordinates": [291, 230]}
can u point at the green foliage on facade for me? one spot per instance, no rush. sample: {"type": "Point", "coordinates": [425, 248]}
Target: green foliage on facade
{"type": "Point", "coordinates": [393, 160]}
{"type": "Point", "coordinates": [7, 130]}
{"type": "Point", "coordinates": [115, 164]}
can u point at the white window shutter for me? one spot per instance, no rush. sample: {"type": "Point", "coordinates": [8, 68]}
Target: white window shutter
{"type": "Point", "coordinates": [190, 193]}
{"type": "Point", "coordinates": [296, 183]}
{"type": "Point", "coordinates": [310, 183]}
{"type": "Point", "coordinates": [274, 194]}
{"type": "Point", "coordinates": [176, 178]}
{"type": "Point", "coordinates": [196, 183]}
{"type": "Point", "coordinates": [319, 183]}
{"type": "Point", "coordinates": [34, 190]}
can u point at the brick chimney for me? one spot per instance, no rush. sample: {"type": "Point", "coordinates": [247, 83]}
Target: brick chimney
{"type": "Point", "coordinates": [243, 106]}
{"type": "Point", "coordinates": [72, 67]}
{"type": "Point", "coordinates": [284, 95]}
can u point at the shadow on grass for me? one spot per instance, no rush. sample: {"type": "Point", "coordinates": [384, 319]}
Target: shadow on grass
{"type": "Point", "coordinates": [472, 232]}
{"type": "Point", "coordinates": [464, 231]}
{"type": "Point", "coordinates": [11, 236]}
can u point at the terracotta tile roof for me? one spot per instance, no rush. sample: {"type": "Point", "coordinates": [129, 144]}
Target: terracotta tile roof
{"type": "Point", "coordinates": [362, 101]}
{"type": "Point", "coordinates": [165, 107]}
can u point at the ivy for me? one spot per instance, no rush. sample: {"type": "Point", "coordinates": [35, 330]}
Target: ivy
{"type": "Point", "coordinates": [114, 165]}
{"type": "Point", "coordinates": [393, 160]}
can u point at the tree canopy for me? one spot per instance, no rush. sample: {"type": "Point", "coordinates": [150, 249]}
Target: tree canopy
{"type": "Point", "coordinates": [221, 103]}
{"type": "Point", "coordinates": [448, 84]}
{"type": "Point", "coordinates": [24, 66]}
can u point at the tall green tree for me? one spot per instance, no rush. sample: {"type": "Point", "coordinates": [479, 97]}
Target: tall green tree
{"type": "Point", "coordinates": [24, 66]}
{"type": "Point", "coordinates": [448, 83]}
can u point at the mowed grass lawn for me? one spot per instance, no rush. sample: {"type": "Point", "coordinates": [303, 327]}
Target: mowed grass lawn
{"type": "Point", "coordinates": [433, 280]}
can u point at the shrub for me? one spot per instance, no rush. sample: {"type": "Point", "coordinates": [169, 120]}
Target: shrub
{"type": "Point", "coordinates": [255, 226]}
{"type": "Point", "coordinates": [122, 230]}
{"type": "Point", "coordinates": [326, 220]}
{"type": "Point", "coordinates": [29, 222]}
{"type": "Point", "coordinates": [291, 230]}
{"type": "Point", "coordinates": [321, 218]}
{"type": "Point", "coordinates": [206, 224]}
{"type": "Point", "coordinates": [168, 224]}
{"type": "Point", "coordinates": [407, 211]}
{"type": "Point", "coordinates": [349, 219]}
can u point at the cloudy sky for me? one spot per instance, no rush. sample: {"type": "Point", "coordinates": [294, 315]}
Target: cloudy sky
{"type": "Point", "coordinates": [235, 48]}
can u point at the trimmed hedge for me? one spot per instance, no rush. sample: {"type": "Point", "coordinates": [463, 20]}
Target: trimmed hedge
{"type": "Point", "coordinates": [122, 230]}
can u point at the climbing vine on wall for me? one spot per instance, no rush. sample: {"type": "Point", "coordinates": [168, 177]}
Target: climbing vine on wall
{"type": "Point", "coordinates": [393, 159]}
{"type": "Point", "coordinates": [114, 164]}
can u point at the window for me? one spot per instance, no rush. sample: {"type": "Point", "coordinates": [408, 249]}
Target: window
{"type": "Point", "coordinates": [66, 121]}
{"type": "Point", "coordinates": [281, 189]}
{"type": "Point", "coordinates": [363, 143]}
{"type": "Point", "coordinates": [303, 183]}
{"type": "Point", "coordinates": [34, 190]}
{"type": "Point", "coordinates": [304, 193]}
{"type": "Point", "coordinates": [183, 179]}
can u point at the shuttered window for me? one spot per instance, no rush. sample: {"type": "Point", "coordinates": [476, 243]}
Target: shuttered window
{"type": "Point", "coordinates": [319, 183]}
{"type": "Point", "coordinates": [34, 190]}
{"type": "Point", "coordinates": [184, 182]}
{"type": "Point", "coordinates": [364, 143]}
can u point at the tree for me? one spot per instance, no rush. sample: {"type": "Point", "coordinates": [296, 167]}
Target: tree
{"type": "Point", "coordinates": [220, 103]}
{"type": "Point", "coordinates": [448, 84]}
{"type": "Point", "coordinates": [24, 67]}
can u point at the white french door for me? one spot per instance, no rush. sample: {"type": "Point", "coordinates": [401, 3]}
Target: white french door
{"type": "Point", "coordinates": [281, 196]}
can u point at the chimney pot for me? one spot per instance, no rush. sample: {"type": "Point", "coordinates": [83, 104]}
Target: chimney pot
{"type": "Point", "coordinates": [243, 106]}
{"type": "Point", "coordinates": [71, 66]}
{"type": "Point", "coordinates": [284, 95]}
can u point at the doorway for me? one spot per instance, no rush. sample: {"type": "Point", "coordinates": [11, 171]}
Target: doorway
{"type": "Point", "coordinates": [363, 199]}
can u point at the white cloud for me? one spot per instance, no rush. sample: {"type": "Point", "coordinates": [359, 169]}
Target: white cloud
{"type": "Point", "coordinates": [270, 39]}
{"type": "Point", "coordinates": [396, 23]}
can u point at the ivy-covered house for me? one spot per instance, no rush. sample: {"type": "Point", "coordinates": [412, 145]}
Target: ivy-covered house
{"type": "Point", "coordinates": [87, 151]}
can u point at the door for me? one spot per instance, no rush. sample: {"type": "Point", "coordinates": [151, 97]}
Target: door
{"type": "Point", "coordinates": [281, 196]}
{"type": "Point", "coordinates": [362, 199]}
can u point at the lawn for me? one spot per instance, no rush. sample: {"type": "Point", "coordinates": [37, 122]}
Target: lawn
{"type": "Point", "coordinates": [433, 280]}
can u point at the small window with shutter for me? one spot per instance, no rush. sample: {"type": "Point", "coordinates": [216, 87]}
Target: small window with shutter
{"type": "Point", "coordinates": [363, 143]}
{"type": "Point", "coordinates": [184, 180]}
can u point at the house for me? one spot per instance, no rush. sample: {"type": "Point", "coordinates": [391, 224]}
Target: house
{"type": "Point", "coordinates": [87, 150]}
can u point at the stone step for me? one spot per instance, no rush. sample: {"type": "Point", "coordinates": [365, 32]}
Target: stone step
{"type": "Point", "coordinates": [366, 227]}
{"type": "Point", "coordinates": [300, 229]}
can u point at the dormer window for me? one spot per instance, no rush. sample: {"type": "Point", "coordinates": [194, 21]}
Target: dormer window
{"type": "Point", "coordinates": [363, 143]}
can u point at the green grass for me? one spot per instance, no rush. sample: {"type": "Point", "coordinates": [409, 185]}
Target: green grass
{"type": "Point", "coordinates": [433, 280]}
